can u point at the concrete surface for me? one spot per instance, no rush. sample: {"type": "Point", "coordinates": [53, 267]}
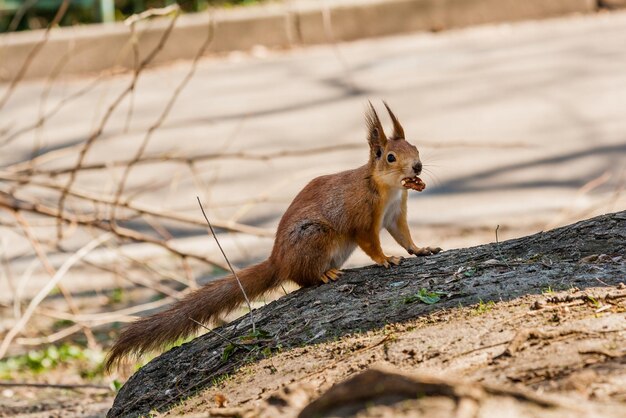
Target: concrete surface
{"type": "Point", "coordinates": [94, 48]}
{"type": "Point", "coordinates": [512, 121]}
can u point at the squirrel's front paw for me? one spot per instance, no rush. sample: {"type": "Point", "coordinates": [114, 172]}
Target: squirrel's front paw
{"type": "Point", "coordinates": [391, 260]}
{"type": "Point", "coordinates": [423, 251]}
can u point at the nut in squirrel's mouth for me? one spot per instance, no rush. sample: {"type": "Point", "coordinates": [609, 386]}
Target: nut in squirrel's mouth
{"type": "Point", "coordinates": [413, 183]}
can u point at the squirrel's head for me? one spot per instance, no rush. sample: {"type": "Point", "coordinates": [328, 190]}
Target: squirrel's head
{"type": "Point", "coordinates": [391, 158]}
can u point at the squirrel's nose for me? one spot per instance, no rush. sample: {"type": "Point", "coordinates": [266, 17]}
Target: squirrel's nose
{"type": "Point", "coordinates": [417, 167]}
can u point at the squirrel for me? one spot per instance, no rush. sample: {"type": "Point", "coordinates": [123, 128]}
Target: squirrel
{"type": "Point", "coordinates": [326, 221]}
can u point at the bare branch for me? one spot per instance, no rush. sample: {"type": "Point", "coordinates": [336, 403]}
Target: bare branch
{"type": "Point", "coordinates": [33, 53]}
{"type": "Point", "coordinates": [122, 315]}
{"type": "Point", "coordinates": [143, 209]}
{"type": "Point", "coordinates": [173, 157]}
{"type": "Point", "coordinates": [162, 117]}
{"type": "Point", "coordinates": [164, 11]}
{"type": "Point", "coordinates": [52, 338]}
{"type": "Point", "coordinates": [51, 271]}
{"type": "Point", "coordinates": [11, 203]}
{"type": "Point", "coordinates": [245, 295]}
{"type": "Point", "coordinates": [41, 120]}
{"type": "Point", "coordinates": [41, 295]}
{"type": "Point", "coordinates": [96, 134]}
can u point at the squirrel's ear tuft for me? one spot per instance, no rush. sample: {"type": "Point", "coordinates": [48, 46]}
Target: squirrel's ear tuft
{"type": "Point", "coordinates": [375, 133]}
{"type": "Point", "coordinates": [398, 131]}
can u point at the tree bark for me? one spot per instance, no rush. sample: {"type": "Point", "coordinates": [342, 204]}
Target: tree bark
{"type": "Point", "coordinates": [370, 297]}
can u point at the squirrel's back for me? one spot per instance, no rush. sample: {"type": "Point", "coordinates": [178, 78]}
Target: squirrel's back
{"type": "Point", "coordinates": [337, 199]}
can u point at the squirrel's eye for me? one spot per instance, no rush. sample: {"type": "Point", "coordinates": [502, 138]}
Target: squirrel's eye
{"type": "Point", "coordinates": [391, 158]}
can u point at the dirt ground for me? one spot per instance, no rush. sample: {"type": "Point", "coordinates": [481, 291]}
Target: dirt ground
{"type": "Point", "coordinates": [54, 403]}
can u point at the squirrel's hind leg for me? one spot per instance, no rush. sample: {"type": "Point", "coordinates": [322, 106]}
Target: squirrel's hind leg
{"type": "Point", "coordinates": [307, 255]}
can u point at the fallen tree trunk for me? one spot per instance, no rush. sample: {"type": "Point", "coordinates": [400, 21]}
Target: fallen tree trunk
{"type": "Point", "coordinates": [370, 297]}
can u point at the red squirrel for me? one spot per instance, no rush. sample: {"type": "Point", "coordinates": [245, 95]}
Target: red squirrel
{"type": "Point", "coordinates": [326, 221]}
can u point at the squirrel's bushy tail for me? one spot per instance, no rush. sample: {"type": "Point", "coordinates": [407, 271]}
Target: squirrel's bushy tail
{"type": "Point", "coordinates": [203, 305]}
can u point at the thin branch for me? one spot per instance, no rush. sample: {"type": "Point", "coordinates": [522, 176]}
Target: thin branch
{"type": "Point", "coordinates": [33, 53]}
{"type": "Point", "coordinates": [43, 100]}
{"type": "Point", "coordinates": [164, 11]}
{"type": "Point", "coordinates": [34, 242]}
{"type": "Point", "coordinates": [182, 159]}
{"type": "Point", "coordinates": [228, 225]}
{"type": "Point", "coordinates": [41, 295]}
{"type": "Point", "coordinates": [17, 18]}
{"type": "Point", "coordinates": [42, 119]}
{"type": "Point", "coordinates": [134, 40]}
{"type": "Point", "coordinates": [52, 338]}
{"type": "Point", "coordinates": [12, 203]}
{"type": "Point", "coordinates": [168, 107]}
{"type": "Point", "coordinates": [153, 270]}
{"type": "Point", "coordinates": [24, 279]}
{"type": "Point", "coordinates": [245, 295]}
{"type": "Point", "coordinates": [212, 331]}
{"type": "Point", "coordinates": [121, 315]}
{"type": "Point", "coordinates": [98, 132]}
{"type": "Point", "coordinates": [191, 281]}
{"type": "Point", "coordinates": [8, 274]}
{"type": "Point", "coordinates": [147, 283]}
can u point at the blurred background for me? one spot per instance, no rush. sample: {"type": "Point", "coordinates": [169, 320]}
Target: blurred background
{"type": "Point", "coordinates": [18, 15]}
{"type": "Point", "coordinates": [116, 115]}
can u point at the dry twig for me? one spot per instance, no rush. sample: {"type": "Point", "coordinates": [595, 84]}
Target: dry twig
{"type": "Point", "coordinates": [33, 53]}
{"type": "Point", "coordinates": [162, 117]}
{"type": "Point", "coordinates": [41, 295]}
{"type": "Point", "coordinates": [245, 295]}
{"type": "Point", "coordinates": [96, 134]}
{"type": "Point", "coordinates": [52, 272]}
{"type": "Point", "coordinates": [12, 203]}
{"type": "Point", "coordinates": [139, 208]}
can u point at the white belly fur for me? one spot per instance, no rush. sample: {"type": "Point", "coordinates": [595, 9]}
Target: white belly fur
{"type": "Point", "coordinates": [345, 249]}
{"type": "Point", "coordinates": [392, 210]}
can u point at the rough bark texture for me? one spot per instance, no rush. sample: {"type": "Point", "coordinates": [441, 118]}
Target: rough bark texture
{"type": "Point", "coordinates": [370, 297]}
